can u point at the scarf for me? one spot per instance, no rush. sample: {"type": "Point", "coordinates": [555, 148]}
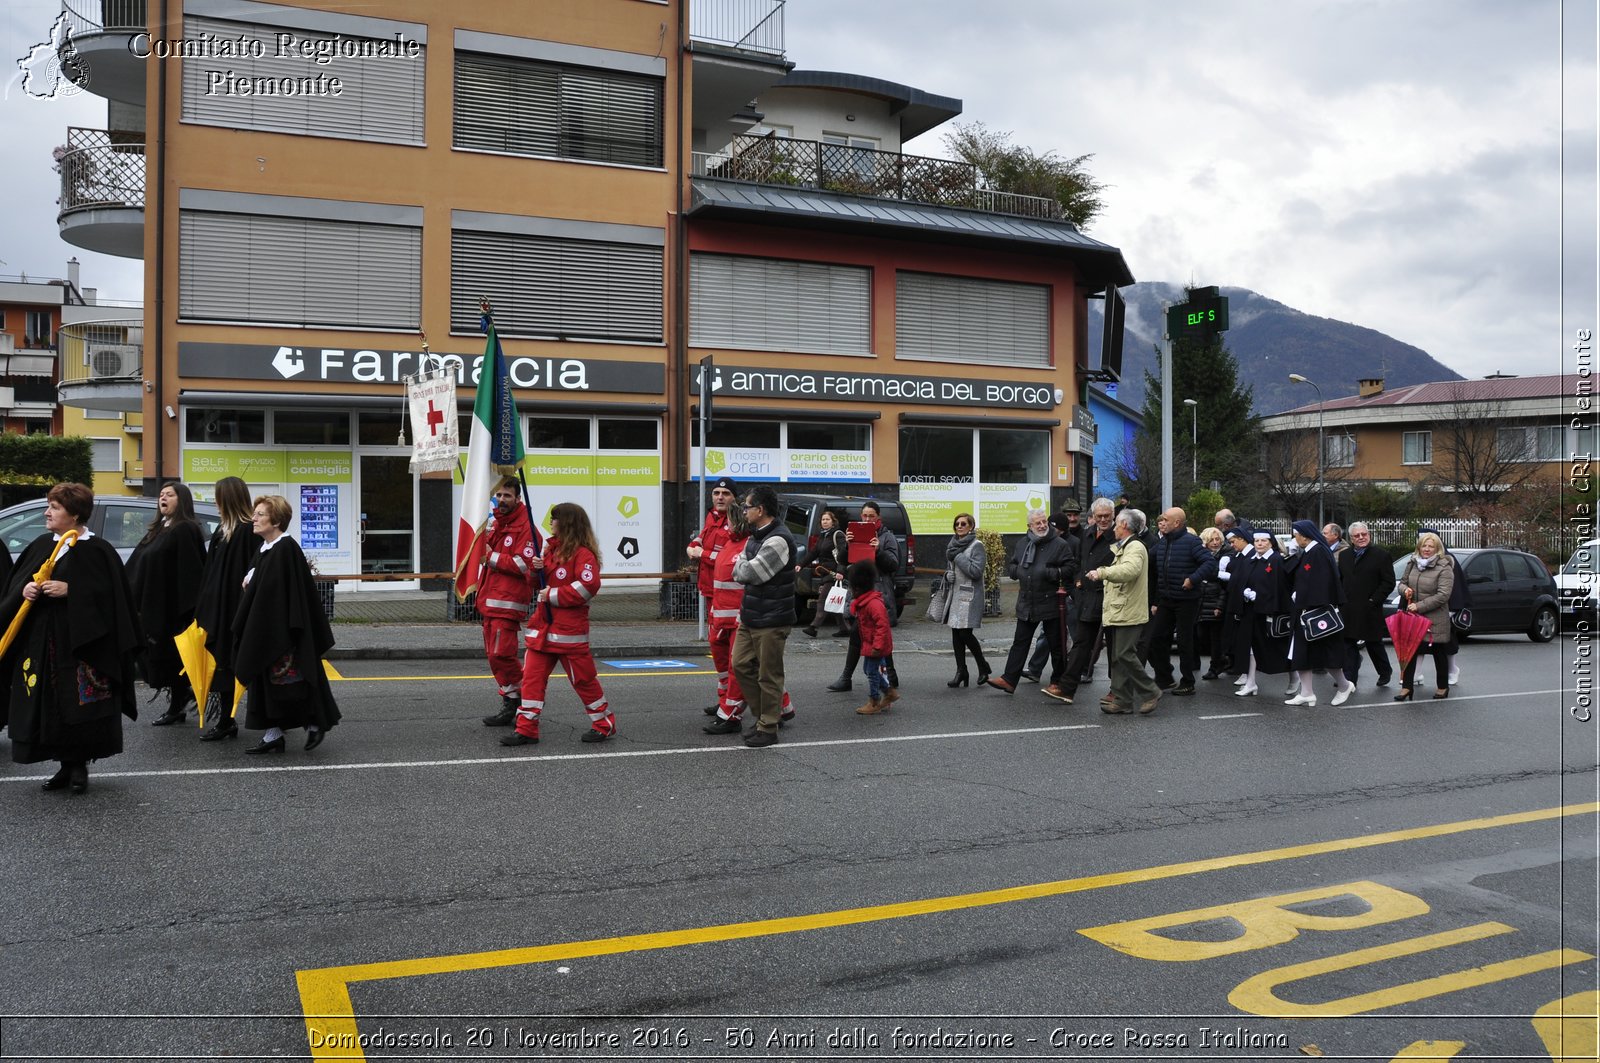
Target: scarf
{"type": "Point", "coordinates": [1425, 562]}
{"type": "Point", "coordinates": [1033, 544]}
{"type": "Point", "coordinates": [958, 543]}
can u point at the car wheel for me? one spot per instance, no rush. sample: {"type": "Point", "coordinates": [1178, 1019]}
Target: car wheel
{"type": "Point", "coordinates": [1545, 623]}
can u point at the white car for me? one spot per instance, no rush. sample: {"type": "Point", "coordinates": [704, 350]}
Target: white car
{"type": "Point", "coordinates": [1579, 584]}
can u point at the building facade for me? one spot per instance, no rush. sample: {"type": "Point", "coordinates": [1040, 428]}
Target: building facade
{"type": "Point", "coordinates": [333, 185]}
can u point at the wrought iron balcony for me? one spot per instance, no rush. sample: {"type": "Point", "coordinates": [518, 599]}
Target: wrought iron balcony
{"type": "Point", "coordinates": [100, 36]}
{"type": "Point", "coordinates": [770, 160]}
{"type": "Point", "coordinates": [102, 193]}
{"type": "Point", "coordinates": [748, 25]}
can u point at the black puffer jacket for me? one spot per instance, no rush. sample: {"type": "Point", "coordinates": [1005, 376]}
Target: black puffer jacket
{"type": "Point", "coordinates": [1053, 565]}
{"type": "Point", "coordinates": [1213, 595]}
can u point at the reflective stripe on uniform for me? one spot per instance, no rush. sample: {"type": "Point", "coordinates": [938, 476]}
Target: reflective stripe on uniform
{"type": "Point", "coordinates": [501, 603]}
{"type": "Point", "coordinates": [725, 614]}
{"type": "Point", "coordinates": [727, 585]}
{"type": "Point", "coordinates": [571, 640]}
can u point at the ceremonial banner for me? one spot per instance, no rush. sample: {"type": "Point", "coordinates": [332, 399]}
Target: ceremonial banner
{"type": "Point", "coordinates": [436, 444]}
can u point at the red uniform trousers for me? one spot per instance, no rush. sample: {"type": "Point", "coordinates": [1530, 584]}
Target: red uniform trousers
{"type": "Point", "coordinates": [536, 668]}
{"type": "Point", "coordinates": [500, 645]}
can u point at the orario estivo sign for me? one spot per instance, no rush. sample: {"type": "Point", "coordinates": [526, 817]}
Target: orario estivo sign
{"type": "Point", "coordinates": [742, 381]}
{"type": "Point", "coordinates": [345, 365]}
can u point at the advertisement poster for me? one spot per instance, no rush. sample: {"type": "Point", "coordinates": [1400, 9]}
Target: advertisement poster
{"type": "Point", "coordinates": [318, 483]}
{"type": "Point", "coordinates": [772, 465]}
{"type": "Point", "coordinates": [932, 507]}
{"type": "Point", "coordinates": [1004, 507]}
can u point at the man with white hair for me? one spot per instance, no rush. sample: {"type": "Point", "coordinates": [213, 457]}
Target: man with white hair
{"type": "Point", "coordinates": [1042, 564]}
{"type": "Point", "coordinates": [1367, 571]}
{"type": "Point", "coordinates": [1124, 614]}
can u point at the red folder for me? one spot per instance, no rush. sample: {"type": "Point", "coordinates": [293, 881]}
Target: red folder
{"type": "Point", "coordinates": [862, 532]}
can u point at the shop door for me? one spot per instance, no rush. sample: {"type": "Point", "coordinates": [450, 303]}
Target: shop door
{"type": "Point", "coordinates": [387, 525]}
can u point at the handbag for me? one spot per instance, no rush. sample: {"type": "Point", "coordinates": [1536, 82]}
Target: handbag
{"type": "Point", "coordinates": [838, 594]}
{"type": "Point", "coordinates": [1461, 620]}
{"type": "Point", "coordinates": [939, 601]}
{"type": "Point", "coordinates": [1278, 626]}
{"type": "Point", "coordinates": [1320, 621]}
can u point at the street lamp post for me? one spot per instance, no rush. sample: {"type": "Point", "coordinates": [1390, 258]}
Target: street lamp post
{"type": "Point", "coordinates": [1322, 453]}
{"type": "Point", "coordinates": [1194, 440]}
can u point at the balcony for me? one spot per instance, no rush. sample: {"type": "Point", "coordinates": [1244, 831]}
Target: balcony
{"type": "Point", "coordinates": [101, 34]}
{"type": "Point", "coordinates": [102, 365]}
{"type": "Point", "coordinates": [742, 25]}
{"type": "Point", "coordinates": [133, 473]}
{"type": "Point", "coordinates": [865, 172]}
{"type": "Point", "coordinates": [102, 193]}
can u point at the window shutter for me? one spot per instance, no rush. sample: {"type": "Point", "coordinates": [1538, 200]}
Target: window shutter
{"type": "Point", "coordinates": [528, 107]}
{"type": "Point", "coordinates": [778, 305]}
{"type": "Point", "coordinates": [551, 287]}
{"type": "Point", "coordinates": [963, 319]}
{"type": "Point", "coordinates": [380, 97]}
{"type": "Point", "coordinates": [243, 267]}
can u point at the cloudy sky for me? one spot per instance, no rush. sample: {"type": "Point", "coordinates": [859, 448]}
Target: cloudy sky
{"type": "Point", "coordinates": [1393, 163]}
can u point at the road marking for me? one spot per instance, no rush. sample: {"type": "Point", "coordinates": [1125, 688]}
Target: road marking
{"type": "Point", "coordinates": [611, 754]}
{"type": "Point", "coordinates": [330, 670]}
{"type": "Point", "coordinates": [330, 1013]}
{"type": "Point", "coordinates": [1231, 716]}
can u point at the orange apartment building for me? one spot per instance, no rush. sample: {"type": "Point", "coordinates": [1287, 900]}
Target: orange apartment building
{"type": "Point", "coordinates": [313, 186]}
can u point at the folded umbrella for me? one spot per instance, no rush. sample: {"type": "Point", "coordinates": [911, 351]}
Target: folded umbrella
{"type": "Point", "coordinates": [1407, 630]}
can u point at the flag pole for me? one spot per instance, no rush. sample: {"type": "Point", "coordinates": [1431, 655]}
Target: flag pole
{"type": "Point", "coordinates": [522, 478]}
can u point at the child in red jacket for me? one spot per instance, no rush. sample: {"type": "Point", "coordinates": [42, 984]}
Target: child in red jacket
{"type": "Point", "coordinates": [877, 641]}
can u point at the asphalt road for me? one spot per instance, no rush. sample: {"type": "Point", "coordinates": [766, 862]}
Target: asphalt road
{"type": "Point", "coordinates": [969, 876]}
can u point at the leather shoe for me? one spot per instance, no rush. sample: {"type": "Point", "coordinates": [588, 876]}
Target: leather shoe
{"type": "Point", "coordinates": [1385, 680]}
{"type": "Point", "coordinates": [809, 630]}
{"type": "Point", "coordinates": [79, 778]}
{"type": "Point", "coordinates": [314, 738]}
{"type": "Point", "coordinates": [840, 685]}
{"type": "Point", "coordinates": [710, 710]}
{"type": "Point", "coordinates": [722, 727]}
{"type": "Point", "coordinates": [1113, 707]}
{"type": "Point", "coordinates": [221, 731]}
{"type": "Point", "coordinates": [841, 634]}
{"type": "Point", "coordinates": [274, 746]}
{"type": "Point", "coordinates": [761, 739]}
{"type": "Point", "coordinates": [1032, 677]}
{"type": "Point", "coordinates": [1054, 691]}
{"type": "Point", "coordinates": [504, 718]}
{"type": "Point", "coordinates": [592, 737]}
{"type": "Point", "coordinates": [168, 718]}
{"type": "Point", "coordinates": [999, 683]}
{"type": "Point", "coordinates": [517, 738]}
{"type": "Point", "coordinates": [59, 780]}
{"type": "Point", "coordinates": [1182, 690]}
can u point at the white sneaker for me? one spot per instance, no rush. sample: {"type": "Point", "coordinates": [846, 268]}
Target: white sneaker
{"type": "Point", "coordinates": [1342, 696]}
{"type": "Point", "coordinates": [1308, 700]}
{"type": "Point", "coordinates": [1247, 692]}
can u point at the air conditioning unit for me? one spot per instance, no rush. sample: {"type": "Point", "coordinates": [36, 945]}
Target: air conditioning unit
{"type": "Point", "coordinates": [112, 362]}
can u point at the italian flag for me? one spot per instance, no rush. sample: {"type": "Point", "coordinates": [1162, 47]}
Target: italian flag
{"type": "Point", "coordinates": [494, 449]}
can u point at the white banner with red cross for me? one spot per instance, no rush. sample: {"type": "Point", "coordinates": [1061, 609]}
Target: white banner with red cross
{"type": "Point", "coordinates": [434, 424]}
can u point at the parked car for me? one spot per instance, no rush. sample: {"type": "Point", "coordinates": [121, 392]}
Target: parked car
{"type": "Point", "coordinates": [121, 520]}
{"type": "Point", "coordinates": [802, 515]}
{"type": "Point", "coordinates": [1511, 592]}
{"type": "Point", "coordinates": [1579, 583]}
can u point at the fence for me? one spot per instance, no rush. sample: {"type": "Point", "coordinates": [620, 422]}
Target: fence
{"type": "Point", "coordinates": [1554, 542]}
{"type": "Point", "coordinates": [660, 596]}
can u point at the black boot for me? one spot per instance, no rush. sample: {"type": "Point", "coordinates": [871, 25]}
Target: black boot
{"type": "Point", "coordinates": [840, 684]}
{"type": "Point", "coordinates": [852, 658]}
{"type": "Point", "coordinates": [509, 703]}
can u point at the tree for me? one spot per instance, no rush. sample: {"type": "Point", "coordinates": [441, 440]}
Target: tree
{"type": "Point", "coordinates": [1006, 167]}
{"type": "Point", "coordinates": [1480, 451]}
{"type": "Point", "coordinates": [1228, 432]}
{"type": "Point", "coordinates": [1294, 475]}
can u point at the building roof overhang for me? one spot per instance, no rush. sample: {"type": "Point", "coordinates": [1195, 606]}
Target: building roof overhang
{"type": "Point", "coordinates": [918, 111]}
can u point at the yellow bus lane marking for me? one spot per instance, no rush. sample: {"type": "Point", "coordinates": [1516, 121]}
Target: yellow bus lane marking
{"type": "Point", "coordinates": [554, 675]}
{"type": "Point", "coordinates": [330, 1016]}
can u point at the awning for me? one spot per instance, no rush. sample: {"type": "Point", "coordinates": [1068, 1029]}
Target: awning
{"type": "Point", "coordinates": [28, 365]}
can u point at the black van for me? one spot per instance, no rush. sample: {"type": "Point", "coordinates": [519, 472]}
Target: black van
{"type": "Point", "coordinates": [802, 515]}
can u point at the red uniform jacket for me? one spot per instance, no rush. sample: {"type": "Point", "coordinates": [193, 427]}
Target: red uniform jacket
{"type": "Point", "coordinates": [713, 535]}
{"type": "Point", "coordinates": [727, 595]}
{"type": "Point", "coordinates": [505, 586]}
{"type": "Point", "coordinates": [872, 620]}
{"type": "Point", "coordinates": [564, 628]}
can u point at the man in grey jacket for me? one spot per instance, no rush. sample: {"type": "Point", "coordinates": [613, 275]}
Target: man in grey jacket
{"type": "Point", "coordinates": [766, 615]}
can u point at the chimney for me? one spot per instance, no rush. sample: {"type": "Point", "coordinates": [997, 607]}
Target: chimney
{"type": "Point", "coordinates": [72, 272]}
{"type": "Point", "coordinates": [1369, 386]}
{"type": "Point", "coordinates": [90, 295]}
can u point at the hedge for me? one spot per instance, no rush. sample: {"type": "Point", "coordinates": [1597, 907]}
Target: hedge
{"type": "Point", "coordinates": [42, 461]}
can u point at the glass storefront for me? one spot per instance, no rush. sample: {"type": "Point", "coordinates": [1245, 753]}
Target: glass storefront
{"type": "Point", "coordinates": [995, 474]}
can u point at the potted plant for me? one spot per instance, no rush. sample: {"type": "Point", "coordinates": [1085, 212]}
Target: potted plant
{"type": "Point", "coordinates": [994, 565]}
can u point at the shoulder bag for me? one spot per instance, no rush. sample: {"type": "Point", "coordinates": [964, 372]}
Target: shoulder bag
{"type": "Point", "coordinates": [1320, 621]}
{"type": "Point", "coordinates": [939, 599]}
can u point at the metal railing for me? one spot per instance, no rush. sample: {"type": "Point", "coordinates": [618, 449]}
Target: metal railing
{"type": "Point", "coordinates": [93, 351]}
{"type": "Point", "coordinates": [751, 25]}
{"type": "Point", "coordinates": [772, 160]}
{"type": "Point", "coordinates": [87, 17]}
{"type": "Point", "coordinates": [1553, 542]}
{"type": "Point", "coordinates": [133, 472]}
{"type": "Point", "coordinates": [98, 171]}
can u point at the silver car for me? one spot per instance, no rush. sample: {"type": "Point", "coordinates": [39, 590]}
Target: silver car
{"type": "Point", "coordinates": [121, 520]}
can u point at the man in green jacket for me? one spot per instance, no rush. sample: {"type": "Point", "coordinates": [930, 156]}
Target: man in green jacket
{"type": "Point", "coordinates": [1124, 614]}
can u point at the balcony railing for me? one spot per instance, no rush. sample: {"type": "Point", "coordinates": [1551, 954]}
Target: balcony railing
{"type": "Point", "coordinates": [99, 16]}
{"type": "Point", "coordinates": [133, 471]}
{"type": "Point", "coordinates": [94, 352]}
{"type": "Point", "coordinates": [749, 25]}
{"type": "Point", "coordinates": [772, 160]}
{"type": "Point", "coordinates": [99, 171]}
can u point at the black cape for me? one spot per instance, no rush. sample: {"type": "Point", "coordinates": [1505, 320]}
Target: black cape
{"type": "Point", "coordinates": [280, 637]}
{"type": "Point", "coordinates": [221, 588]}
{"type": "Point", "coordinates": [69, 676]}
{"type": "Point", "coordinates": [164, 574]}
{"type": "Point", "coordinates": [1316, 583]}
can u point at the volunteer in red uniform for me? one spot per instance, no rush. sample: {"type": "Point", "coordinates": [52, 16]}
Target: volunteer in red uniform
{"type": "Point", "coordinates": [505, 593]}
{"type": "Point", "coordinates": [727, 595]}
{"type": "Point", "coordinates": [559, 627]}
{"type": "Point", "coordinates": [705, 548]}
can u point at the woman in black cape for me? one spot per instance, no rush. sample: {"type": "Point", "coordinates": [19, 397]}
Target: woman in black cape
{"type": "Point", "coordinates": [280, 637]}
{"type": "Point", "coordinates": [234, 546]}
{"type": "Point", "coordinates": [164, 573]}
{"type": "Point", "coordinates": [1316, 586]}
{"type": "Point", "coordinates": [1266, 596]}
{"type": "Point", "coordinates": [69, 673]}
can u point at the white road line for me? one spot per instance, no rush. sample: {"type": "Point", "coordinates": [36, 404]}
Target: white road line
{"type": "Point", "coordinates": [1230, 716]}
{"type": "Point", "coordinates": [536, 759]}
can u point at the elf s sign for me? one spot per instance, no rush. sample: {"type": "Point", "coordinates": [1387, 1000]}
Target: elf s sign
{"type": "Point", "coordinates": [229, 361]}
{"type": "Point", "coordinates": [749, 381]}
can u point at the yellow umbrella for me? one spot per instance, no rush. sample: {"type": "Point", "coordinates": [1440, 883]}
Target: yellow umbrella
{"type": "Point", "coordinates": [199, 665]}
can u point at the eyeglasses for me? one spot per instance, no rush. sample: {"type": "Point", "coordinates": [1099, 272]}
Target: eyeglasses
{"type": "Point", "coordinates": [749, 505]}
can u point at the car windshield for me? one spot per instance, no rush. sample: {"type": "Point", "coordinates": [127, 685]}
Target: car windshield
{"type": "Point", "coordinates": [1583, 561]}
{"type": "Point", "coordinates": [21, 528]}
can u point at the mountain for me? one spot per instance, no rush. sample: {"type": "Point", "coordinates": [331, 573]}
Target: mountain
{"type": "Point", "coordinates": [1269, 341]}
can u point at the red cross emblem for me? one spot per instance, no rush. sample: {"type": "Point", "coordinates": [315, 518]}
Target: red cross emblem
{"type": "Point", "coordinates": [435, 419]}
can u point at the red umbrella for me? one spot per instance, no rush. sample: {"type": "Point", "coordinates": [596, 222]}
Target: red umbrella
{"type": "Point", "coordinates": [1407, 630]}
